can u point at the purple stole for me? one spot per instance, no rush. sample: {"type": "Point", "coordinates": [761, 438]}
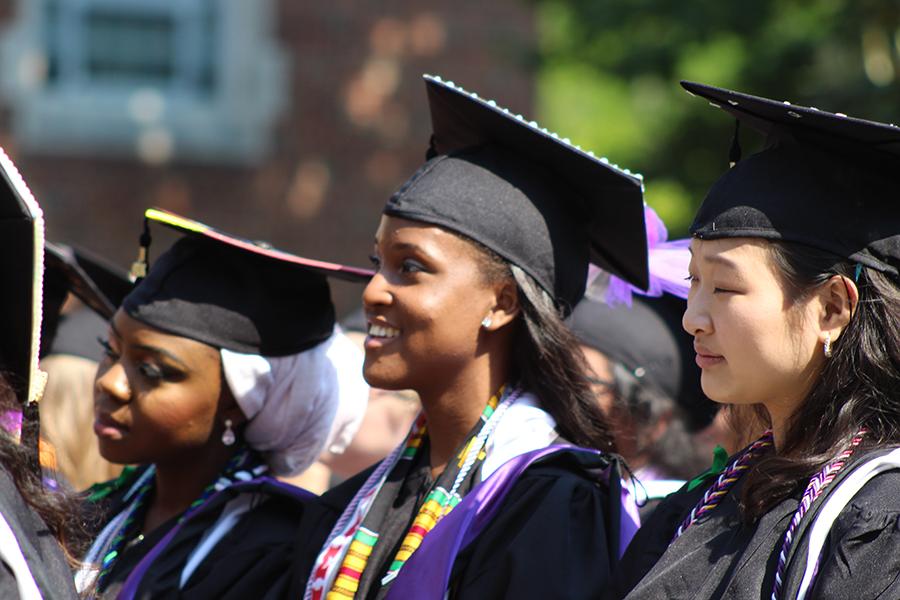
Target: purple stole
{"type": "Point", "coordinates": [426, 573]}
{"type": "Point", "coordinates": [130, 587]}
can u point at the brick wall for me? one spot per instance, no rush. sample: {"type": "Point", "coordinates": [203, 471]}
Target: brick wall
{"type": "Point", "coordinates": [356, 127]}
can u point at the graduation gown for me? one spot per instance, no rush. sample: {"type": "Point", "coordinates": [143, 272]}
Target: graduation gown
{"type": "Point", "coordinates": [252, 560]}
{"type": "Point", "coordinates": [721, 557]}
{"type": "Point", "coordinates": [554, 536]}
{"type": "Point", "coordinates": [42, 553]}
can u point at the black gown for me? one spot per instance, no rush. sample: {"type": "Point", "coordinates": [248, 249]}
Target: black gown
{"type": "Point", "coordinates": [721, 557]}
{"type": "Point", "coordinates": [556, 535]}
{"type": "Point", "coordinates": [253, 560]}
{"type": "Point", "coordinates": [42, 553]}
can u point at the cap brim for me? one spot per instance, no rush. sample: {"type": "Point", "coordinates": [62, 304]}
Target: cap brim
{"type": "Point", "coordinates": [100, 285]}
{"type": "Point", "coordinates": [830, 130]}
{"type": "Point", "coordinates": [612, 197]}
{"type": "Point", "coordinates": [191, 227]}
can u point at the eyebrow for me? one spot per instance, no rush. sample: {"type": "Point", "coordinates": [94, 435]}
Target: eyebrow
{"type": "Point", "coordinates": [718, 259]}
{"type": "Point", "coordinates": [152, 349]}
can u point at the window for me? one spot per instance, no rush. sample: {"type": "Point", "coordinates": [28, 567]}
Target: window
{"type": "Point", "coordinates": [160, 79]}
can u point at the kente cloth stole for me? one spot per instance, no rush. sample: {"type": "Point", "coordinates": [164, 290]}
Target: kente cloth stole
{"type": "Point", "coordinates": [445, 494]}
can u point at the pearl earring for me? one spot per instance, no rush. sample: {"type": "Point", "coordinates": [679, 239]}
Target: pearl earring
{"type": "Point", "coordinates": [827, 348]}
{"type": "Point", "coordinates": [228, 437]}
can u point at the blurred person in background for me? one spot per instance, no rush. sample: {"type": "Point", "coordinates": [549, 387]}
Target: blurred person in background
{"type": "Point", "coordinates": [223, 370]}
{"type": "Point", "coordinates": [81, 293]}
{"type": "Point", "coordinates": [647, 383]}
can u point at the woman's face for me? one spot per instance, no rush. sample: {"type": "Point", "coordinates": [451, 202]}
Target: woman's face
{"type": "Point", "coordinates": [753, 343]}
{"type": "Point", "coordinates": [424, 306]}
{"type": "Point", "coordinates": [156, 395]}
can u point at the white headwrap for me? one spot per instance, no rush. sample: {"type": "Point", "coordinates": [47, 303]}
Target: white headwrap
{"type": "Point", "coordinates": [298, 405]}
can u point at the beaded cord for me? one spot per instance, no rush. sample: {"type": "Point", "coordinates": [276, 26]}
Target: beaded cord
{"type": "Point", "coordinates": [726, 481]}
{"type": "Point", "coordinates": [814, 489]}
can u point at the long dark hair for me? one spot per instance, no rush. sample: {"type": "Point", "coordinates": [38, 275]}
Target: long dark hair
{"type": "Point", "coordinates": [546, 358]}
{"type": "Point", "coordinates": [59, 509]}
{"type": "Point", "coordinates": [858, 386]}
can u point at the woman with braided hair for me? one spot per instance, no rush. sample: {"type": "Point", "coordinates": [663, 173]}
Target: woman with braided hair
{"type": "Point", "coordinates": [795, 312]}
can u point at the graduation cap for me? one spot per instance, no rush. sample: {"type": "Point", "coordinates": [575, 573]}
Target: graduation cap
{"type": "Point", "coordinates": [234, 293]}
{"type": "Point", "coordinates": [532, 197]}
{"type": "Point", "coordinates": [824, 180]}
{"type": "Point", "coordinates": [648, 341]}
{"type": "Point", "coordinates": [21, 267]}
{"type": "Point", "coordinates": [100, 285]}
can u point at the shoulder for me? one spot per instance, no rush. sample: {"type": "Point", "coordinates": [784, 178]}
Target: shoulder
{"type": "Point", "coordinates": [874, 507]}
{"type": "Point", "coordinates": [34, 542]}
{"type": "Point", "coordinates": [554, 519]}
{"type": "Point", "coordinates": [861, 556]}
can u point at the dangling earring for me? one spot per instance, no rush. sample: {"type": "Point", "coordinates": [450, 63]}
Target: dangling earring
{"type": "Point", "coordinates": [228, 437]}
{"type": "Point", "coordinates": [486, 322]}
{"type": "Point", "coordinates": [827, 348]}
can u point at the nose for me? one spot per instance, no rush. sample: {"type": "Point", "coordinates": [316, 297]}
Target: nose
{"type": "Point", "coordinates": [696, 319]}
{"type": "Point", "coordinates": [377, 292]}
{"type": "Point", "coordinates": [112, 382]}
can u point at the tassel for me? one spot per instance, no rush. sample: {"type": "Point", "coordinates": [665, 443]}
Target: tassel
{"type": "Point", "coordinates": [734, 154]}
{"type": "Point", "coordinates": [432, 149]}
{"type": "Point", "coordinates": [140, 266]}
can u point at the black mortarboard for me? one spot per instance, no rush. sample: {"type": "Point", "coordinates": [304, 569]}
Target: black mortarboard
{"type": "Point", "coordinates": [21, 267]}
{"type": "Point", "coordinates": [527, 194]}
{"type": "Point", "coordinates": [94, 281]}
{"type": "Point", "coordinates": [824, 180]}
{"type": "Point", "coordinates": [236, 294]}
{"type": "Point", "coordinates": [648, 340]}
{"type": "Point", "coordinates": [99, 284]}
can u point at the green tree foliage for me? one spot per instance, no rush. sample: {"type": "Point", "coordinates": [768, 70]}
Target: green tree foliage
{"type": "Point", "coordinates": [609, 72]}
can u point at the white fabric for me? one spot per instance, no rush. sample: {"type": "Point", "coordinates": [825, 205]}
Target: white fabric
{"type": "Point", "coordinates": [524, 427]}
{"type": "Point", "coordinates": [231, 514]}
{"type": "Point", "coordinates": [291, 402]}
{"type": "Point", "coordinates": [839, 498]}
{"type": "Point", "coordinates": [11, 555]}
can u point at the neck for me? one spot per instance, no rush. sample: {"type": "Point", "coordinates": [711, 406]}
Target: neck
{"type": "Point", "coordinates": [180, 482]}
{"type": "Point", "coordinates": [453, 409]}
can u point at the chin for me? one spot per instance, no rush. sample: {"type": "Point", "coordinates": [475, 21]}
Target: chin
{"type": "Point", "coordinates": [117, 454]}
{"type": "Point", "coordinates": [384, 377]}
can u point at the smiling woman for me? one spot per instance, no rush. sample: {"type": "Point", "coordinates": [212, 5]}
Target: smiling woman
{"type": "Point", "coordinates": [222, 368]}
{"type": "Point", "coordinates": [478, 257]}
{"type": "Point", "coordinates": [795, 311]}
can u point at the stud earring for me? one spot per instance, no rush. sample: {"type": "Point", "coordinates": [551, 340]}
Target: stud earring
{"type": "Point", "coordinates": [228, 437]}
{"type": "Point", "coordinates": [486, 322]}
{"type": "Point", "coordinates": [827, 348]}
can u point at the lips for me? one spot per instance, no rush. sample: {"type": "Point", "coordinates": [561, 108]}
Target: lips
{"type": "Point", "coordinates": [706, 358]}
{"type": "Point", "coordinates": [107, 427]}
{"type": "Point", "coordinates": [380, 333]}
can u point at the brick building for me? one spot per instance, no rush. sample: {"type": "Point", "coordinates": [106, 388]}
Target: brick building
{"type": "Point", "coordinates": [275, 119]}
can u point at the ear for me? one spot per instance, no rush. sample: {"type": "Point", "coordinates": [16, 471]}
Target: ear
{"type": "Point", "coordinates": [506, 305]}
{"type": "Point", "coordinates": [228, 406]}
{"type": "Point", "coordinates": [838, 299]}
